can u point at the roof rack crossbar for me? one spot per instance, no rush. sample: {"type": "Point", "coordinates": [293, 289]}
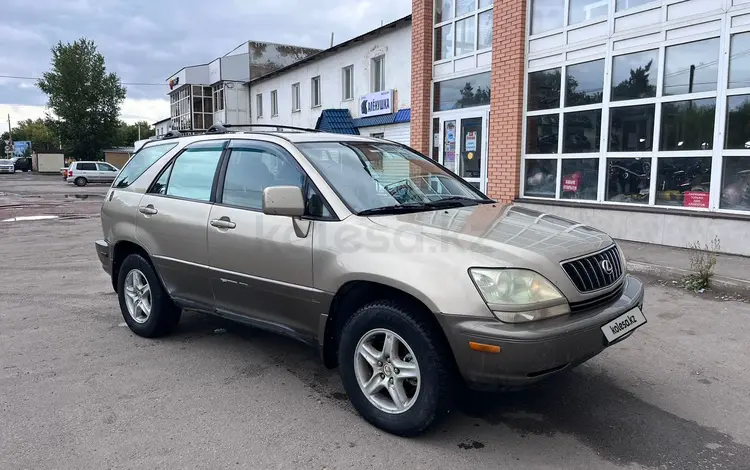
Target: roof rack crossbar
{"type": "Point", "coordinates": [270, 126]}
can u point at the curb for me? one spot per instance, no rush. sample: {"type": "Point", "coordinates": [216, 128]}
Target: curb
{"type": "Point", "coordinates": [740, 286]}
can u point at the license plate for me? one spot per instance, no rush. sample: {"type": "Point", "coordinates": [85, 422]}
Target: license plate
{"type": "Point", "coordinates": [623, 324]}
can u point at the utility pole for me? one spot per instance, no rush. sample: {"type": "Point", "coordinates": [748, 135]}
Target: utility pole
{"type": "Point", "coordinates": [139, 130]}
{"type": "Point", "coordinates": [331, 40]}
{"type": "Point", "coordinates": [10, 139]}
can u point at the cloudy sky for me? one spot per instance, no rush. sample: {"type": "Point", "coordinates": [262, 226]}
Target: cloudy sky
{"type": "Point", "coordinates": [145, 41]}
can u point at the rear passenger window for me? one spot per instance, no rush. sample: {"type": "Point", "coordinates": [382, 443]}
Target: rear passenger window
{"type": "Point", "coordinates": [86, 167]}
{"type": "Point", "coordinates": [251, 170]}
{"type": "Point", "coordinates": [192, 174]}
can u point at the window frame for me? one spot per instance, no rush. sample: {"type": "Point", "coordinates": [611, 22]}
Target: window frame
{"type": "Point", "coordinates": [476, 11]}
{"type": "Point", "coordinates": [667, 33]}
{"type": "Point", "coordinates": [296, 98]}
{"type": "Point", "coordinates": [254, 145]}
{"type": "Point", "coordinates": [315, 93]}
{"type": "Point", "coordinates": [259, 105]}
{"type": "Point", "coordinates": [170, 164]}
{"type": "Point", "coordinates": [376, 76]}
{"type": "Point", "coordinates": [347, 93]}
{"type": "Point", "coordinates": [274, 103]}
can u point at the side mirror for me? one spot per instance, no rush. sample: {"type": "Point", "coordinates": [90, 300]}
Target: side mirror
{"type": "Point", "coordinates": [283, 200]}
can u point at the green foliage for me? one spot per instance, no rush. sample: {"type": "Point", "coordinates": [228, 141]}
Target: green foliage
{"type": "Point", "coordinates": [84, 98]}
{"type": "Point", "coordinates": [702, 264]}
{"type": "Point", "coordinates": [37, 131]}
{"type": "Point", "coordinates": [127, 134]}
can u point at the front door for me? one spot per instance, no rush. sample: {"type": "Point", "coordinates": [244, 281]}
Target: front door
{"type": "Point", "coordinates": [463, 149]}
{"type": "Point", "coordinates": [260, 268]}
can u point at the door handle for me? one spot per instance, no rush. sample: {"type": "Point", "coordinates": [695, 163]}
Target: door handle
{"type": "Point", "coordinates": [148, 210]}
{"type": "Point", "coordinates": [223, 222]}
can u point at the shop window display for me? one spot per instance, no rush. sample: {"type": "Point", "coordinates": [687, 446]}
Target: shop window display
{"type": "Point", "coordinates": [580, 178]}
{"type": "Point", "coordinates": [582, 131]}
{"type": "Point", "coordinates": [628, 180]}
{"type": "Point", "coordinates": [542, 133]}
{"type": "Point", "coordinates": [738, 123]}
{"type": "Point", "coordinates": [541, 178]}
{"type": "Point", "coordinates": [735, 185]}
{"type": "Point", "coordinates": [683, 182]}
{"type": "Point", "coordinates": [688, 125]}
{"type": "Point", "coordinates": [631, 128]}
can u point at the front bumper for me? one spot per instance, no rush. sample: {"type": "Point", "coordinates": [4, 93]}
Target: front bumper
{"type": "Point", "coordinates": [104, 252]}
{"type": "Point", "coordinates": [7, 170]}
{"type": "Point", "coordinates": [533, 351]}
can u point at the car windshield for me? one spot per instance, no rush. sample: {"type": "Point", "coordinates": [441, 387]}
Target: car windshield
{"type": "Point", "coordinates": [382, 178]}
{"type": "Point", "coordinates": [139, 163]}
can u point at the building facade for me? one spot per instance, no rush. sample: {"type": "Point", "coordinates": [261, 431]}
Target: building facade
{"type": "Point", "coordinates": [162, 127]}
{"type": "Point", "coordinates": [629, 115]}
{"type": "Point", "coordinates": [361, 86]}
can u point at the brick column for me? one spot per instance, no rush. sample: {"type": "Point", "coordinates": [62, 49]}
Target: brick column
{"type": "Point", "coordinates": [421, 75]}
{"type": "Point", "coordinates": [506, 103]}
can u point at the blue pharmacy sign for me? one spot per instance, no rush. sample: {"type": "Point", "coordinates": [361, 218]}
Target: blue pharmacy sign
{"type": "Point", "coordinates": [19, 147]}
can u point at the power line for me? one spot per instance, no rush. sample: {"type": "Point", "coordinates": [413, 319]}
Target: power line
{"type": "Point", "coordinates": [17, 77]}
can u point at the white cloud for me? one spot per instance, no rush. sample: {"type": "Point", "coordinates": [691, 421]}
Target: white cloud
{"type": "Point", "coordinates": [132, 110]}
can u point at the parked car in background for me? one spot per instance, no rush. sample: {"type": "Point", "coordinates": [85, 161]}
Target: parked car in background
{"type": "Point", "coordinates": [83, 173]}
{"type": "Point", "coordinates": [7, 166]}
{"type": "Point", "coordinates": [402, 274]}
{"type": "Point", "coordinates": [22, 163]}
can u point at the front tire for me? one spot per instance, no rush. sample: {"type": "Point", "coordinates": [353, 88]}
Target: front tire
{"type": "Point", "coordinates": [145, 305]}
{"type": "Point", "coordinates": [80, 181]}
{"type": "Point", "coordinates": [394, 368]}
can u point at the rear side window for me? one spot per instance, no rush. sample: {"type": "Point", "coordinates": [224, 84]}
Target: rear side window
{"type": "Point", "coordinates": [86, 167]}
{"type": "Point", "coordinates": [192, 174]}
{"type": "Point", "coordinates": [140, 162]}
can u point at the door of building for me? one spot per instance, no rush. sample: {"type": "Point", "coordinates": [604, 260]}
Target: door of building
{"type": "Point", "coordinates": [463, 145]}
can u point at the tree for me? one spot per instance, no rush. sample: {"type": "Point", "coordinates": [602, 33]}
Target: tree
{"type": "Point", "coordinates": [84, 97]}
{"type": "Point", "coordinates": [638, 85]}
{"type": "Point", "coordinates": [127, 134]}
{"type": "Point", "coordinates": [38, 132]}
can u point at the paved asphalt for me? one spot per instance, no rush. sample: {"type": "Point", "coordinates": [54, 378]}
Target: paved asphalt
{"type": "Point", "coordinates": [78, 390]}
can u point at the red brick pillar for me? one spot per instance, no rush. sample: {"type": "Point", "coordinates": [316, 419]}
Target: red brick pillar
{"type": "Point", "coordinates": [506, 103]}
{"type": "Point", "coordinates": [421, 75]}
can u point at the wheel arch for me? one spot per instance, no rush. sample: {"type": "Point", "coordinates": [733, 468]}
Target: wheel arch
{"type": "Point", "coordinates": [122, 250]}
{"type": "Point", "coordinates": [355, 294]}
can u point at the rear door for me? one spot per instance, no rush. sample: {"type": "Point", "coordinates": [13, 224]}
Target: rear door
{"type": "Point", "coordinates": [172, 220]}
{"type": "Point", "coordinates": [87, 170]}
{"type": "Point", "coordinates": [106, 172]}
{"type": "Point", "coordinates": [260, 268]}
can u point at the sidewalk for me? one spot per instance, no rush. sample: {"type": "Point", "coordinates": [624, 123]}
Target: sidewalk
{"type": "Point", "coordinates": [732, 272]}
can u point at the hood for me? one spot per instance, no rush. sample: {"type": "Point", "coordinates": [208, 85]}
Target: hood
{"type": "Point", "coordinates": [506, 233]}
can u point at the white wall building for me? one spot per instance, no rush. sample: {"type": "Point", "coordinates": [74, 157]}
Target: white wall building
{"type": "Point", "coordinates": [362, 85]}
{"type": "Point", "coordinates": [162, 127]}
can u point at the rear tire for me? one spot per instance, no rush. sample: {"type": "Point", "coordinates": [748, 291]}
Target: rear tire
{"type": "Point", "coordinates": [144, 303]}
{"type": "Point", "coordinates": [419, 352]}
{"type": "Point", "coordinates": [80, 181]}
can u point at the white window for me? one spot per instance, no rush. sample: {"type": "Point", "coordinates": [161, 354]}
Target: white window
{"type": "Point", "coordinates": [274, 103]}
{"type": "Point", "coordinates": [347, 83]}
{"type": "Point", "coordinates": [295, 97]}
{"type": "Point", "coordinates": [218, 92]}
{"type": "Point", "coordinates": [315, 92]}
{"type": "Point", "coordinates": [259, 105]}
{"type": "Point", "coordinates": [377, 77]}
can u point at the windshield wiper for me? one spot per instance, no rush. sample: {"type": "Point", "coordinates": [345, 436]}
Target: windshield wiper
{"type": "Point", "coordinates": [395, 209]}
{"type": "Point", "coordinates": [455, 201]}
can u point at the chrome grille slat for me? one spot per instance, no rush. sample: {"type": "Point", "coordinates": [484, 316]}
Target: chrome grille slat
{"type": "Point", "coordinates": [588, 274]}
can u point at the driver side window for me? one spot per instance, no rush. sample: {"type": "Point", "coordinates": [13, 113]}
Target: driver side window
{"type": "Point", "coordinates": [250, 170]}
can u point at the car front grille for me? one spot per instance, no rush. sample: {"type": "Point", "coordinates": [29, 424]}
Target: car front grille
{"type": "Point", "coordinates": [598, 301]}
{"type": "Point", "coordinates": [595, 272]}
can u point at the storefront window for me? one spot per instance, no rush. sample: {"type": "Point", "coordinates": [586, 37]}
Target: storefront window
{"type": "Point", "coordinates": [584, 83]}
{"type": "Point", "coordinates": [586, 10]}
{"type": "Point", "coordinates": [735, 185]}
{"type": "Point", "coordinates": [542, 133]}
{"type": "Point", "coordinates": [485, 3]}
{"type": "Point", "coordinates": [691, 67]}
{"type": "Point", "coordinates": [541, 178]}
{"type": "Point", "coordinates": [688, 125]}
{"type": "Point", "coordinates": [443, 10]}
{"type": "Point", "coordinates": [544, 89]}
{"type": "Point", "coordinates": [444, 42]}
{"type": "Point", "coordinates": [435, 138]}
{"type": "Point", "coordinates": [625, 4]}
{"type": "Point", "coordinates": [484, 37]}
{"type": "Point", "coordinates": [464, 92]}
{"type": "Point", "coordinates": [634, 75]}
{"type": "Point", "coordinates": [631, 128]}
{"type": "Point", "coordinates": [580, 178]}
{"type": "Point", "coordinates": [546, 15]}
{"type": "Point", "coordinates": [739, 65]}
{"type": "Point", "coordinates": [683, 182]}
{"type": "Point", "coordinates": [738, 123]}
{"type": "Point", "coordinates": [582, 131]}
{"type": "Point", "coordinates": [465, 34]}
{"type": "Point", "coordinates": [628, 180]}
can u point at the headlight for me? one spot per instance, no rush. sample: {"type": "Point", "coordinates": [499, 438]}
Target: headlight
{"type": "Point", "coordinates": [519, 295]}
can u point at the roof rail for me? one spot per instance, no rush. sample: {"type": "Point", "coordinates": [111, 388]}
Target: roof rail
{"type": "Point", "coordinates": [172, 135]}
{"type": "Point", "coordinates": [271, 126]}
